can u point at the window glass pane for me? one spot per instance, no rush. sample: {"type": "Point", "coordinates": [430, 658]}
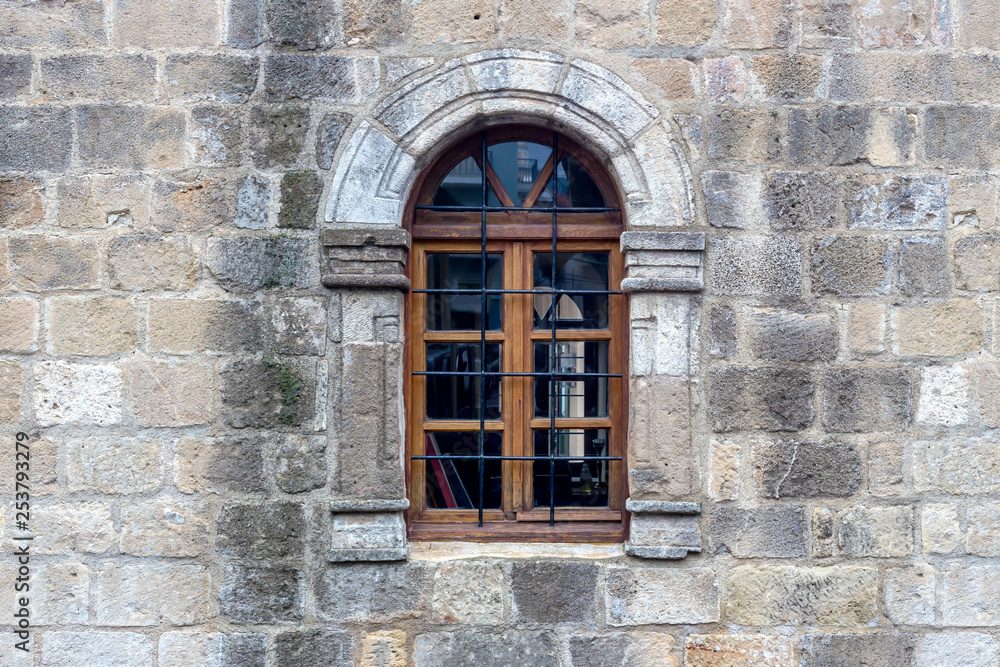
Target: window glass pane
{"type": "Point", "coordinates": [463, 186]}
{"type": "Point", "coordinates": [576, 187]}
{"type": "Point", "coordinates": [518, 164]}
{"type": "Point", "coordinates": [574, 271]}
{"type": "Point", "coordinates": [457, 396]}
{"type": "Point", "coordinates": [462, 311]}
{"type": "Point", "coordinates": [575, 399]}
{"type": "Point", "coordinates": [577, 483]}
{"type": "Point", "coordinates": [454, 484]}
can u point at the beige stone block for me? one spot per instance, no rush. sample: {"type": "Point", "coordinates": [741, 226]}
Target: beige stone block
{"type": "Point", "coordinates": [100, 200]}
{"type": "Point", "coordinates": [866, 327]}
{"type": "Point", "coordinates": [725, 81]}
{"type": "Point", "coordinates": [124, 595]}
{"type": "Point", "coordinates": [150, 24]}
{"type": "Point", "coordinates": [114, 466]}
{"type": "Point", "coordinates": [685, 22]}
{"type": "Point", "coordinates": [983, 535]}
{"type": "Point", "coordinates": [181, 649]}
{"type": "Point", "coordinates": [885, 469]}
{"type": "Point", "coordinates": [19, 332]}
{"type": "Point", "coordinates": [41, 462]}
{"type": "Point", "coordinates": [171, 394]}
{"type": "Point", "coordinates": [51, 25]}
{"type": "Point", "coordinates": [978, 24]}
{"type": "Point", "coordinates": [645, 596]}
{"type": "Point", "coordinates": [737, 651]}
{"type": "Point", "coordinates": [61, 594]}
{"type": "Point", "coordinates": [757, 24]}
{"type": "Point", "coordinates": [908, 595]}
{"type": "Point", "coordinates": [724, 475]}
{"type": "Point", "coordinates": [138, 262]}
{"type": "Point", "coordinates": [887, 142]}
{"type": "Point", "coordinates": [77, 527]}
{"type": "Point", "coordinates": [192, 463]}
{"type": "Point", "coordinates": [944, 396]}
{"type": "Point", "coordinates": [659, 443]}
{"type": "Point", "coordinates": [844, 596]}
{"type": "Point", "coordinates": [454, 21]}
{"type": "Point", "coordinates": [673, 77]}
{"type": "Point", "coordinates": [67, 393]}
{"type": "Point", "coordinates": [784, 77]}
{"type": "Point", "coordinates": [967, 594]}
{"type": "Point", "coordinates": [193, 204]}
{"type": "Point", "coordinates": [49, 262]}
{"type": "Point", "coordinates": [611, 24]}
{"type": "Point", "coordinates": [21, 202]}
{"type": "Point", "coordinates": [894, 23]}
{"type": "Point", "coordinates": [986, 379]}
{"type": "Point", "coordinates": [11, 389]}
{"type": "Point", "coordinates": [384, 648]}
{"type": "Point", "coordinates": [822, 532]}
{"type": "Point", "coordinates": [543, 21]}
{"type": "Point", "coordinates": [86, 649]}
{"type": "Point", "coordinates": [878, 532]}
{"type": "Point", "coordinates": [650, 649]}
{"type": "Point", "coordinates": [972, 200]}
{"type": "Point", "coordinates": [977, 263]}
{"type": "Point", "coordinates": [202, 325]}
{"type": "Point", "coordinates": [165, 527]}
{"type": "Point", "coordinates": [91, 326]}
{"type": "Point", "coordinates": [938, 329]}
{"type": "Point", "coordinates": [963, 467]}
{"type": "Point", "coordinates": [469, 592]}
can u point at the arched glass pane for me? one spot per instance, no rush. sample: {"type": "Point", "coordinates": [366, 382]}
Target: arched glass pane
{"type": "Point", "coordinates": [576, 188]}
{"type": "Point", "coordinates": [518, 164]}
{"type": "Point", "coordinates": [463, 186]}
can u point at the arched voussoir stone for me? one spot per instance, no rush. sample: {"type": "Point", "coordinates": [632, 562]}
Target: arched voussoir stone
{"type": "Point", "coordinates": [411, 125]}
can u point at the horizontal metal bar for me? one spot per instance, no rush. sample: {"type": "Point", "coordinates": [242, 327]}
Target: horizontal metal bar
{"type": "Point", "coordinates": [515, 291]}
{"type": "Point", "coordinates": [530, 209]}
{"type": "Point", "coordinates": [520, 375]}
{"type": "Point", "coordinates": [476, 457]}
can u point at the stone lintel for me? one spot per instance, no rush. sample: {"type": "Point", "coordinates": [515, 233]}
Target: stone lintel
{"type": "Point", "coordinates": [365, 256]}
{"type": "Point", "coordinates": [662, 507]}
{"type": "Point", "coordinates": [353, 505]}
{"type": "Point", "coordinates": [660, 553]}
{"type": "Point", "coordinates": [663, 261]}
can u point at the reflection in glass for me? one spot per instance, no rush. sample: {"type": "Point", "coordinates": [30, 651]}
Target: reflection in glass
{"type": "Point", "coordinates": [577, 483]}
{"type": "Point", "coordinates": [457, 396]}
{"type": "Point", "coordinates": [574, 271]}
{"type": "Point", "coordinates": [587, 397]}
{"type": "Point", "coordinates": [518, 164]}
{"type": "Point", "coordinates": [576, 187]}
{"type": "Point", "coordinates": [448, 312]}
{"type": "Point", "coordinates": [454, 484]}
{"type": "Point", "coordinates": [463, 186]}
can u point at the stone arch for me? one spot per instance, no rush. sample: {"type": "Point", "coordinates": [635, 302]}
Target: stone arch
{"type": "Point", "coordinates": [379, 163]}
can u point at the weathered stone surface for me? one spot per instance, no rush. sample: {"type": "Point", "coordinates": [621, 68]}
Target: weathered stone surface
{"type": "Point", "coordinates": [955, 467]}
{"type": "Point", "coordinates": [852, 265]}
{"type": "Point", "coordinates": [128, 595]}
{"type": "Point", "coordinates": [249, 264]}
{"type": "Point", "coordinates": [364, 592]}
{"type": "Point", "coordinates": [785, 595]}
{"type": "Point", "coordinates": [939, 528]}
{"type": "Point", "coordinates": [121, 78]}
{"type": "Point", "coordinates": [876, 650]}
{"type": "Point", "coordinates": [21, 202]}
{"type": "Point", "coordinates": [549, 22]}
{"type": "Point", "coordinates": [190, 201]}
{"type": "Point", "coordinates": [171, 394]}
{"type": "Point", "coordinates": [244, 24]}
{"type": "Point", "coordinates": [800, 200]}
{"type": "Point", "coordinates": [374, 23]}
{"type": "Point", "coordinates": [983, 535]}
{"type": "Point", "coordinates": [967, 594]}
{"type": "Point", "coordinates": [271, 392]}
{"type": "Point", "coordinates": [216, 136]}
{"type": "Point", "coordinates": [660, 437]}
{"type": "Point", "coordinates": [641, 596]}
{"type": "Point", "coordinates": [744, 134]}
{"type": "Point", "coordinates": [965, 136]}
{"type": "Point", "coordinates": [685, 23]}
{"type": "Point", "coordinates": [454, 21]}
{"type": "Point", "coordinates": [908, 595]}
{"type": "Point", "coordinates": [20, 332]}
{"type": "Point", "coordinates": [365, 533]}
{"type": "Point", "coordinates": [266, 532]}
{"type": "Point", "coordinates": [757, 24]}
{"type": "Point", "coordinates": [611, 25]}
{"type": "Point", "coordinates": [986, 380]}
{"type": "Point", "coordinates": [829, 135]}
{"type": "Point", "coordinates": [554, 591]}
{"type": "Point", "coordinates": [253, 198]}
{"type": "Point", "coordinates": [277, 134]}
{"type": "Point", "coordinates": [261, 594]}
{"type": "Point", "coordinates": [165, 527]}
{"type": "Point", "coordinates": [732, 199]}
{"type": "Point", "coordinates": [89, 649]}
{"type": "Point", "coordinates": [722, 328]}
{"type": "Point", "coordinates": [42, 262]}
{"type": "Point", "coordinates": [778, 335]}
{"type": "Point", "coordinates": [297, 325]}
{"type": "Point", "coordinates": [897, 202]}
{"type": "Point", "coordinates": [737, 651]}
{"type": "Point", "coordinates": [61, 594]}
{"type": "Point", "coordinates": [473, 592]}
{"type": "Point", "coordinates": [99, 200]}
{"type": "Point", "coordinates": [149, 24]}
{"type": "Point", "coordinates": [91, 326]}
{"type": "Point", "coordinates": [304, 25]}
{"type": "Point", "coordinates": [866, 327]}
{"type": "Point", "coordinates": [880, 532]}
{"type": "Point", "coordinates": [37, 137]}
{"type": "Point", "coordinates": [778, 532]}
{"type": "Point", "coordinates": [923, 266]}
{"type": "Point", "coordinates": [725, 79]}
{"type": "Point", "coordinates": [970, 649]}
{"type": "Point", "coordinates": [305, 648]}
{"type": "Point", "coordinates": [114, 466]}
{"type": "Point", "coordinates": [301, 463]}
{"type": "Point", "coordinates": [300, 193]}
{"type": "Point", "coordinates": [307, 77]}
{"type": "Point", "coordinates": [328, 136]}
{"type": "Point", "coordinates": [788, 77]}
{"type": "Point", "coordinates": [806, 469]}
{"type": "Point", "coordinates": [751, 399]}
{"type": "Point", "coordinates": [724, 474]}
{"type": "Point", "coordinates": [941, 329]}
{"type": "Point", "coordinates": [80, 527]}
{"type": "Point", "coordinates": [15, 75]}
{"type": "Point", "coordinates": [529, 649]}
{"type": "Point", "coordinates": [204, 325]}
{"type": "Point", "coordinates": [977, 263]}
{"type": "Point", "coordinates": [226, 464]}
{"type": "Point", "coordinates": [143, 262]}
{"type": "Point", "coordinates": [972, 200]}
{"type": "Point", "coordinates": [384, 648]}
{"type": "Point", "coordinates": [674, 77]}
{"type": "Point", "coordinates": [68, 393]}
{"type": "Point", "coordinates": [216, 78]}
{"type": "Point", "coordinates": [885, 468]}
{"type": "Point", "coordinates": [979, 24]}
{"type": "Point", "coordinates": [212, 649]}
{"type": "Point", "coordinates": [944, 396]}
{"type": "Point", "coordinates": [130, 136]}
{"type": "Point", "coordinates": [11, 391]}
{"type": "Point", "coordinates": [822, 532]}
{"type": "Point", "coordinates": [859, 400]}
{"type": "Point", "coordinates": [755, 266]}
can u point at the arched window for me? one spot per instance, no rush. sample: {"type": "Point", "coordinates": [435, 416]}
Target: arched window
{"type": "Point", "coordinates": [516, 351]}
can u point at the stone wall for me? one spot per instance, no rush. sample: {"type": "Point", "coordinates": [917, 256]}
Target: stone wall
{"type": "Point", "coordinates": [213, 408]}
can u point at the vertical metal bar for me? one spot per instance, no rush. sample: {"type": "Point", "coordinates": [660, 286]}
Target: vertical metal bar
{"type": "Point", "coordinates": [482, 339]}
{"type": "Point", "coordinates": [552, 350]}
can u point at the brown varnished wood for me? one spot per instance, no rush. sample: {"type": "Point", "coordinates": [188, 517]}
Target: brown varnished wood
{"type": "Point", "coordinates": [540, 182]}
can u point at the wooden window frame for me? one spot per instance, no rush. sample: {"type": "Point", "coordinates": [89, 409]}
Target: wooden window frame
{"type": "Point", "coordinates": [516, 234]}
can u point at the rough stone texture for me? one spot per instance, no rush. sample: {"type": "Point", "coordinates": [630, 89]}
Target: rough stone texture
{"type": "Point", "coordinates": [379, 591]}
{"type": "Point", "coordinates": [769, 399]}
{"type": "Point", "coordinates": [959, 468]}
{"type": "Point", "coordinates": [775, 335]}
{"type": "Point", "coordinates": [938, 329]}
{"type": "Point", "coordinates": [261, 594]}
{"type": "Point", "coordinates": [265, 532]}
{"type": "Point", "coordinates": [21, 202]}
{"type": "Point", "coordinates": [673, 76]}
{"type": "Point", "coordinates": [126, 78]}
{"type": "Point", "coordinates": [277, 134]}
{"type": "Point", "coordinates": [304, 25]}
{"type": "Point", "coordinates": [227, 79]}
{"type": "Point", "coordinates": [131, 595]}
{"type": "Point", "coordinates": [800, 200]}
{"type": "Point", "coordinates": [967, 595]}
{"type": "Point", "coordinates": [876, 650]}
{"type": "Point", "coordinates": [212, 649]}
{"type": "Point", "coordinates": [867, 328]}
{"type": "Point", "coordinates": [35, 138]}
{"type": "Point", "coordinates": [272, 392]}
{"type": "Point", "coordinates": [302, 649]}
{"type": "Point", "coordinates": [96, 327]}
{"type": "Point", "coordinates": [247, 264]}
{"type": "Point", "coordinates": [641, 596]}
{"type": "Point", "coordinates": [757, 24]}
{"type": "Point", "coordinates": [41, 263]}
{"type": "Point", "coordinates": [858, 400]}
{"type": "Point", "coordinates": [908, 595]}
{"type": "Point", "coordinates": [473, 592]}
{"type": "Point", "coordinates": [939, 528]}
{"type": "Point", "coordinates": [568, 596]}
{"type": "Point", "coordinates": [880, 532]}
{"type": "Point", "coordinates": [166, 527]}
{"type": "Point", "coordinates": [385, 648]}
{"type": "Point", "coordinates": [852, 265]}
{"type": "Point", "coordinates": [204, 325]}
{"type": "Point", "coordinates": [142, 262]}
{"type": "Point", "coordinates": [67, 393]}
{"type": "Point", "coordinates": [957, 648]}
{"type": "Point", "coordinates": [983, 536]}
{"type": "Point", "coordinates": [90, 649]}
{"type": "Point", "coordinates": [744, 134]}
{"type": "Point", "coordinates": [758, 533]}
{"type": "Point", "coordinates": [21, 331]}
{"type": "Point", "coordinates": [903, 202]}
{"type": "Point", "coordinates": [300, 193]}
{"type": "Point", "coordinates": [526, 648]}
{"type": "Point", "coordinates": [806, 469]}
{"type": "Point", "coordinates": [300, 464]}
{"type": "Point", "coordinates": [944, 396]}
{"type": "Point", "coordinates": [99, 200]}
{"type": "Point", "coordinates": [737, 651]}
{"type": "Point", "coordinates": [885, 468]}
{"type": "Point", "coordinates": [226, 464]}
{"type": "Point", "coordinates": [923, 266]}
{"type": "Point", "coordinates": [785, 595]}
{"type": "Point", "coordinates": [114, 466]}
{"type": "Point", "coordinates": [755, 266]}
{"type": "Point", "coordinates": [130, 137]}
{"type": "Point", "coordinates": [167, 394]}
{"type": "Point", "coordinates": [82, 527]}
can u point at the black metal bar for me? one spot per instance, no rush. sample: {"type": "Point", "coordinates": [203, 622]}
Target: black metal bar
{"type": "Point", "coordinates": [482, 341]}
{"type": "Point", "coordinates": [488, 457]}
{"type": "Point", "coordinates": [515, 291]}
{"type": "Point", "coordinates": [552, 351]}
{"type": "Point", "coordinates": [532, 209]}
{"type": "Point", "coordinates": [518, 375]}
